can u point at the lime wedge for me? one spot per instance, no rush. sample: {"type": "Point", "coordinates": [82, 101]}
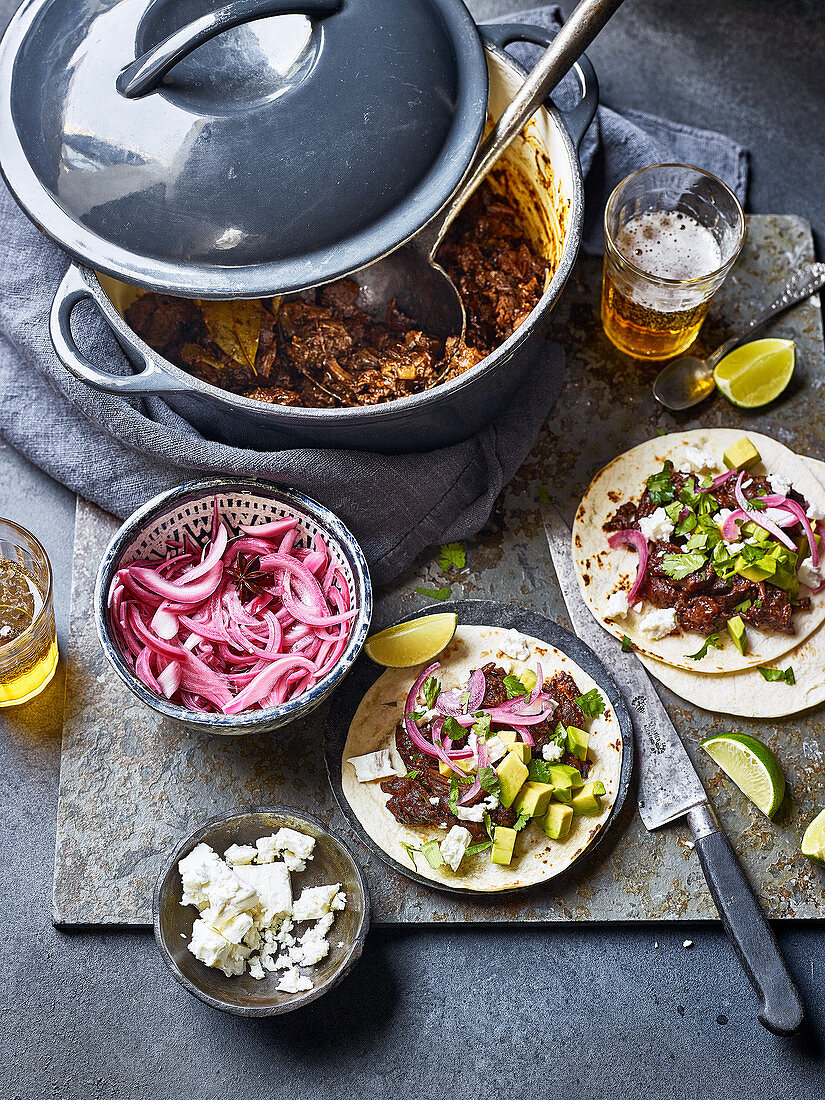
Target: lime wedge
{"type": "Point", "coordinates": [752, 766]}
{"type": "Point", "coordinates": [412, 643]}
{"type": "Point", "coordinates": [813, 842]}
{"type": "Point", "coordinates": [756, 373]}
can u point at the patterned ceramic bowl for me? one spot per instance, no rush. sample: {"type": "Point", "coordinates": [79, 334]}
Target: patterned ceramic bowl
{"type": "Point", "coordinates": [188, 510]}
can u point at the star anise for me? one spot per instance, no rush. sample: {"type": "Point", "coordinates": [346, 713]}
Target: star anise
{"type": "Point", "coordinates": [250, 580]}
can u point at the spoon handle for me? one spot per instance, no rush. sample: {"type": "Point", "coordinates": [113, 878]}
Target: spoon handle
{"type": "Point", "coordinates": [801, 285]}
{"type": "Point", "coordinates": [582, 25]}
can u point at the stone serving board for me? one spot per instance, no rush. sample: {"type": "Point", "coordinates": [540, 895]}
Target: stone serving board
{"type": "Point", "coordinates": [132, 786]}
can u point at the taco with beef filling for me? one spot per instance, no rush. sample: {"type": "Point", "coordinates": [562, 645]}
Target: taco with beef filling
{"type": "Point", "coordinates": [702, 550]}
{"type": "Point", "coordinates": [492, 768]}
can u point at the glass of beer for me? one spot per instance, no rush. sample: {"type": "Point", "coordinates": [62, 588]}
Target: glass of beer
{"type": "Point", "coordinates": [672, 233]}
{"type": "Point", "coordinates": [28, 641]}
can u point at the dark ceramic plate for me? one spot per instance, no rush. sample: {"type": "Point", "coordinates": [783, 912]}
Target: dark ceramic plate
{"type": "Point", "coordinates": [475, 613]}
{"type": "Point", "coordinates": [243, 994]}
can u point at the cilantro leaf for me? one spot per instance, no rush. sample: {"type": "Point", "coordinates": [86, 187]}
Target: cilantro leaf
{"type": "Point", "coordinates": [660, 486]}
{"type": "Point", "coordinates": [521, 821]}
{"type": "Point", "coordinates": [488, 825]}
{"type": "Point", "coordinates": [435, 593]}
{"type": "Point", "coordinates": [454, 730]}
{"type": "Point", "coordinates": [627, 644]}
{"type": "Point", "coordinates": [432, 853]}
{"type": "Point", "coordinates": [773, 675]}
{"type": "Point", "coordinates": [711, 640]}
{"type": "Point", "coordinates": [413, 773]}
{"type": "Point", "coordinates": [686, 525]}
{"type": "Point", "coordinates": [680, 566]}
{"type": "Point", "coordinates": [544, 496]}
{"type": "Point", "coordinates": [482, 846]}
{"type": "Point", "coordinates": [431, 689]}
{"type": "Point", "coordinates": [416, 715]}
{"type": "Point", "coordinates": [592, 703]}
{"type": "Point", "coordinates": [661, 431]}
{"type": "Point", "coordinates": [513, 686]}
{"type": "Point", "coordinates": [538, 770]}
{"type": "Point", "coordinates": [465, 699]}
{"type": "Point", "coordinates": [481, 727]}
{"type": "Point", "coordinates": [452, 555]}
{"type": "Point", "coordinates": [489, 781]}
{"type": "Point", "coordinates": [452, 798]}
{"type": "Point", "coordinates": [745, 605]}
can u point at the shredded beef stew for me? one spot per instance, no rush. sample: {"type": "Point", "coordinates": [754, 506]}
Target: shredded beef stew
{"type": "Point", "coordinates": [322, 350]}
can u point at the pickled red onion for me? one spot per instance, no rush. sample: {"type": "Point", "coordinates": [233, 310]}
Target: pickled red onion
{"type": "Point", "coordinates": [760, 519]}
{"type": "Point", "coordinates": [637, 540]}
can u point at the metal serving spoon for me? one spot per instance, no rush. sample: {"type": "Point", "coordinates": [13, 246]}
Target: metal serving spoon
{"type": "Point", "coordinates": [410, 275]}
{"type": "Point", "coordinates": [687, 381]}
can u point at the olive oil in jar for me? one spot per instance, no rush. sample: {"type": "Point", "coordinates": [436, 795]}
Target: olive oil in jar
{"type": "Point", "coordinates": [28, 643]}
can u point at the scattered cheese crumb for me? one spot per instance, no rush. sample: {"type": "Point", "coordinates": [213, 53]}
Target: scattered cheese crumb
{"type": "Point", "coordinates": [688, 943]}
{"type": "Point", "coordinates": [658, 527]}
{"type": "Point", "coordinates": [658, 623]}
{"type": "Point", "coordinates": [616, 606]}
{"type": "Point", "coordinates": [552, 752]}
{"type": "Point", "coordinates": [477, 812]}
{"type": "Point", "coordinates": [809, 575]}
{"type": "Point", "coordinates": [293, 982]}
{"type": "Point", "coordinates": [240, 853]}
{"type": "Point", "coordinates": [454, 845]}
{"type": "Point", "coordinates": [373, 765]}
{"type": "Point", "coordinates": [696, 459]}
{"type": "Point", "coordinates": [496, 749]}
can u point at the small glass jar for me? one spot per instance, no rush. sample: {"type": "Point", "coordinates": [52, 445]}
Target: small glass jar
{"type": "Point", "coordinates": [28, 661]}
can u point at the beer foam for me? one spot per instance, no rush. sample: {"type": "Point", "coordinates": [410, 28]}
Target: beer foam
{"type": "Point", "coordinates": [669, 245]}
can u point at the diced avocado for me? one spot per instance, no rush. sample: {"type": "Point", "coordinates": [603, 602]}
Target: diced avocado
{"type": "Point", "coordinates": [577, 742]}
{"type": "Point", "coordinates": [557, 821]}
{"type": "Point", "coordinates": [803, 550]}
{"type": "Point", "coordinates": [575, 775]}
{"type": "Point", "coordinates": [533, 798]}
{"type": "Point", "coordinates": [511, 775]}
{"type": "Point", "coordinates": [741, 455]}
{"type": "Point", "coordinates": [563, 794]}
{"type": "Point", "coordinates": [431, 851]}
{"type": "Point", "coordinates": [466, 766]}
{"type": "Point", "coordinates": [754, 532]}
{"type": "Point", "coordinates": [510, 739]}
{"type": "Point", "coordinates": [755, 571]}
{"type": "Point", "coordinates": [586, 801]}
{"type": "Point", "coordinates": [504, 841]}
{"type": "Point", "coordinates": [528, 678]}
{"type": "Point", "coordinates": [739, 636]}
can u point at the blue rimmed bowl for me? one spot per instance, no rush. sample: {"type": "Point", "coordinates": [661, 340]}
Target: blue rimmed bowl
{"type": "Point", "coordinates": [188, 510]}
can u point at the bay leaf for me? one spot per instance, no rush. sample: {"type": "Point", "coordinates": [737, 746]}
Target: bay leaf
{"type": "Point", "coordinates": [235, 327]}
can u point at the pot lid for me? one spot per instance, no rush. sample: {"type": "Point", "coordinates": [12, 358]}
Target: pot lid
{"type": "Point", "coordinates": [266, 146]}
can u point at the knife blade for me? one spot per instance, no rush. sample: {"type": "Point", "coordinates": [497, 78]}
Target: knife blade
{"type": "Point", "coordinates": [669, 788]}
{"type": "Point", "coordinates": [668, 783]}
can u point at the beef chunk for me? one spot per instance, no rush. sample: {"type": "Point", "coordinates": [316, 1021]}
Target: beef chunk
{"type": "Point", "coordinates": [771, 611]}
{"type": "Point", "coordinates": [699, 613]}
{"type": "Point", "coordinates": [409, 802]}
{"type": "Point", "coordinates": [495, 693]}
{"type": "Point", "coordinates": [563, 688]}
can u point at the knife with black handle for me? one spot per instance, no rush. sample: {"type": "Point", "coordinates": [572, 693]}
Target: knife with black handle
{"type": "Point", "coordinates": [669, 789]}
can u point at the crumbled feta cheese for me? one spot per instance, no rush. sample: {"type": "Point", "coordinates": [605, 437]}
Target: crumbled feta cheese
{"type": "Point", "coordinates": [809, 575]}
{"type": "Point", "coordinates": [315, 902]}
{"type": "Point", "coordinates": [240, 853]}
{"type": "Point", "coordinates": [658, 623]}
{"type": "Point", "coordinates": [266, 849]}
{"type": "Point", "coordinates": [696, 459]}
{"type": "Point", "coordinates": [688, 943]}
{"type": "Point", "coordinates": [211, 885]}
{"type": "Point", "coordinates": [210, 947]}
{"type": "Point", "coordinates": [496, 749]}
{"type": "Point", "coordinates": [454, 845]}
{"type": "Point", "coordinates": [616, 606]}
{"type": "Point", "coordinates": [779, 484]}
{"type": "Point", "coordinates": [815, 513]}
{"type": "Point", "coordinates": [295, 848]}
{"type": "Point", "coordinates": [552, 752]}
{"type": "Point", "coordinates": [256, 968]}
{"type": "Point", "coordinates": [238, 928]}
{"type": "Point", "coordinates": [657, 527]}
{"type": "Point", "coordinates": [721, 518]}
{"type": "Point", "coordinates": [777, 515]}
{"type": "Point", "coordinates": [339, 902]}
{"type": "Point", "coordinates": [373, 765]}
{"type": "Point", "coordinates": [434, 801]}
{"type": "Point", "coordinates": [272, 883]}
{"type": "Point", "coordinates": [735, 547]}
{"type": "Point", "coordinates": [477, 812]}
{"type": "Point", "coordinates": [516, 646]}
{"type": "Point", "coordinates": [293, 982]}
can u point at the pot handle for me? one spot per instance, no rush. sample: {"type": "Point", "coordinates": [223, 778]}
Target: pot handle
{"type": "Point", "coordinates": [576, 119]}
{"type": "Point", "coordinates": [150, 379]}
{"type": "Point", "coordinates": [145, 73]}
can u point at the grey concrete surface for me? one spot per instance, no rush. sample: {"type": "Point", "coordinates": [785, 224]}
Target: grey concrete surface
{"type": "Point", "coordinates": [573, 1012]}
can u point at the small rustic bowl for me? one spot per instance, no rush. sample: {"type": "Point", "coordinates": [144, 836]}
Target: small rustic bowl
{"type": "Point", "coordinates": [242, 994]}
{"type": "Point", "coordinates": [187, 510]}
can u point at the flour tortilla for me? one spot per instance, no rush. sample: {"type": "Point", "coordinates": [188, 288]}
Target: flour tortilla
{"type": "Point", "coordinates": [602, 570]}
{"type": "Point", "coordinates": [746, 693]}
{"type": "Point", "coordinates": [536, 858]}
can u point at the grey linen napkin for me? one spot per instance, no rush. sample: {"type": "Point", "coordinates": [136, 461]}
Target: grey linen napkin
{"type": "Point", "coordinates": [120, 452]}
